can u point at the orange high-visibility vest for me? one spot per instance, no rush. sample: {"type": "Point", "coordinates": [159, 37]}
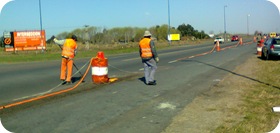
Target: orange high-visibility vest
{"type": "Point", "coordinates": [69, 47]}
{"type": "Point", "coordinates": [145, 47]}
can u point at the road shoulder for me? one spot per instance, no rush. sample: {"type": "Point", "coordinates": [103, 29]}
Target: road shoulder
{"type": "Point", "coordinates": [216, 107]}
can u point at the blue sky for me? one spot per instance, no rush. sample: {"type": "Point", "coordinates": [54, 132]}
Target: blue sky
{"type": "Point", "coordinates": [208, 15]}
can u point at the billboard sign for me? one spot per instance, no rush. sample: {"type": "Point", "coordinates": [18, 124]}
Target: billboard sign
{"type": "Point", "coordinates": [173, 37]}
{"type": "Point", "coordinates": [25, 40]}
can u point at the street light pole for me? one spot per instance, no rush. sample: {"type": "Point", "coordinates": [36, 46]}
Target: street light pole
{"type": "Point", "coordinates": [168, 35]}
{"type": "Point", "coordinates": [248, 24]}
{"type": "Point", "coordinates": [41, 27]}
{"type": "Point", "coordinates": [87, 38]}
{"type": "Point", "coordinates": [225, 25]}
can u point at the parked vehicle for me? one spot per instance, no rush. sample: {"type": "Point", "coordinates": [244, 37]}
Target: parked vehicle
{"type": "Point", "coordinates": [271, 48]}
{"type": "Point", "coordinates": [220, 39]}
{"type": "Point", "coordinates": [234, 38]}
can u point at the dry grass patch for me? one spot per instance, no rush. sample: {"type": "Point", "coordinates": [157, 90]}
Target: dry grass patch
{"type": "Point", "coordinates": [258, 100]}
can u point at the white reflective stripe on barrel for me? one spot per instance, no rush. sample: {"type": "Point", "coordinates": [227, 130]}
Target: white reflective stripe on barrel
{"type": "Point", "coordinates": [259, 48]}
{"type": "Point", "coordinates": [99, 71]}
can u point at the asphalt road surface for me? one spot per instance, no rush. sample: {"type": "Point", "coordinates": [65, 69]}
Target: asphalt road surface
{"type": "Point", "coordinates": [126, 106]}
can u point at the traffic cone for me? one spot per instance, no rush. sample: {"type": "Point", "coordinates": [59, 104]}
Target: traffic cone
{"type": "Point", "coordinates": [255, 39]}
{"type": "Point", "coordinates": [241, 41]}
{"type": "Point", "coordinates": [217, 46]}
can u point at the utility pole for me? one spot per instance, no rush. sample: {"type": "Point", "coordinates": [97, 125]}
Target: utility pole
{"type": "Point", "coordinates": [87, 37]}
{"type": "Point", "coordinates": [248, 24]}
{"type": "Point", "coordinates": [41, 27]}
{"type": "Point", "coordinates": [168, 34]}
{"type": "Point", "coordinates": [225, 24]}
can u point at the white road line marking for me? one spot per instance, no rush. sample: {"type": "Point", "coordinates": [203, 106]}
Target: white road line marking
{"type": "Point", "coordinates": [172, 61]}
{"type": "Point", "coordinates": [132, 59]}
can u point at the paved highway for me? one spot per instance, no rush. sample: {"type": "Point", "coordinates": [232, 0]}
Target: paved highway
{"type": "Point", "coordinates": [125, 106]}
{"type": "Point", "coordinates": [25, 80]}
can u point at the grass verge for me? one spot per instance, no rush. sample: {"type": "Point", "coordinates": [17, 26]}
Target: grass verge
{"type": "Point", "coordinates": [258, 99]}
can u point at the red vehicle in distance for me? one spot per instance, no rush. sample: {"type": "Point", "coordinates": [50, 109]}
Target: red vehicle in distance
{"type": "Point", "coordinates": [234, 38]}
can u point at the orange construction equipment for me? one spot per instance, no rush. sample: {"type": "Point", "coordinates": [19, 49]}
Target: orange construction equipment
{"type": "Point", "coordinates": [99, 69]}
{"type": "Point", "coordinates": [217, 46]}
{"type": "Point", "coordinates": [259, 47]}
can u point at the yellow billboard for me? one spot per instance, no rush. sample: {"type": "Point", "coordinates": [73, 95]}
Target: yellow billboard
{"type": "Point", "coordinates": [175, 37]}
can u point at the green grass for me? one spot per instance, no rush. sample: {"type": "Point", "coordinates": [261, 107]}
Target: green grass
{"type": "Point", "coordinates": [53, 52]}
{"type": "Point", "coordinates": [258, 100]}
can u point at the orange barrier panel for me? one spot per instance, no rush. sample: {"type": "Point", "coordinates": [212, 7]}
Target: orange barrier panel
{"type": "Point", "coordinates": [100, 69]}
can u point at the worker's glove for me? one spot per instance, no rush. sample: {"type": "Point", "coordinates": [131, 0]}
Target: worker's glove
{"type": "Point", "coordinates": [157, 59]}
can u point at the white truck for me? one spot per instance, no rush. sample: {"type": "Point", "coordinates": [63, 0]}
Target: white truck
{"type": "Point", "coordinates": [220, 39]}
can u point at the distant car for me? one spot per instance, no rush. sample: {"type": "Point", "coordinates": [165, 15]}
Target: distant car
{"type": "Point", "coordinates": [220, 39]}
{"type": "Point", "coordinates": [234, 38]}
{"type": "Point", "coordinates": [271, 48]}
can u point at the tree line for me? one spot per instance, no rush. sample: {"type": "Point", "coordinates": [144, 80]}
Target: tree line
{"type": "Point", "coordinates": [99, 35]}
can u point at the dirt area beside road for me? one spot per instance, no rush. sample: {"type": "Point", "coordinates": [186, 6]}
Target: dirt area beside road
{"type": "Point", "coordinates": [216, 107]}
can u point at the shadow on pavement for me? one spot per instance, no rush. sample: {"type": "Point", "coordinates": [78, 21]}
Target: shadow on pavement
{"type": "Point", "coordinates": [142, 79]}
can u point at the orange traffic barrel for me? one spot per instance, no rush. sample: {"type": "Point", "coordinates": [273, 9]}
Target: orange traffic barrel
{"type": "Point", "coordinates": [100, 54]}
{"type": "Point", "coordinates": [259, 47]}
{"type": "Point", "coordinates": [99, 69]}
{"type": "Point", "coordinates": [217, 46]}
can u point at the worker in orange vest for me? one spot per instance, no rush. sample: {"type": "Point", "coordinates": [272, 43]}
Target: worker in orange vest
{"type": "Point", "coordinates": [149, 58]}
{"type": "Point", "coordinates": [69, 50]}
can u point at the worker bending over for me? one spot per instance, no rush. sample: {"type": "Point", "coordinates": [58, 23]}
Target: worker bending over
{"type": "Point", "coordinates": [69, 50]}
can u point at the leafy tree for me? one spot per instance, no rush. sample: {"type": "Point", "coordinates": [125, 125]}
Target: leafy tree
{"type": "Point", "coordinates": [2, 41]}
{"type": "Point", "coordinates": [188, 30]}
{"type": "Point", "coordinates": [162, 32]}
{"type": "Point", "coordinates": [99, 35]}
{"type": "Point", "coordinates": [63, 35]}
{"type": "Point", "coordinates": [139, 32]}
